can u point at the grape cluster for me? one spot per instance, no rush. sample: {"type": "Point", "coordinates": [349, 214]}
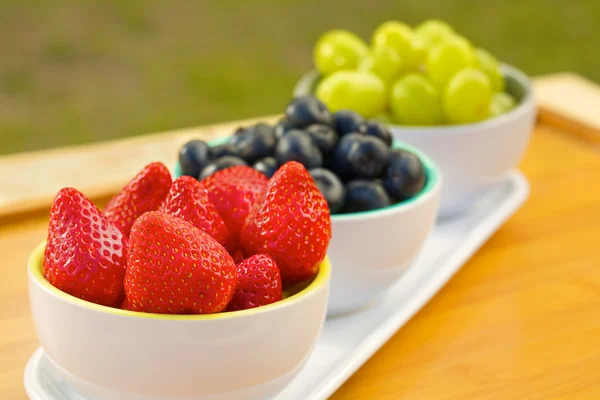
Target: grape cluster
{"type": "Point", "coordinates": [352, 160]}
{"type": "Point", "coordinates": [429, 75]}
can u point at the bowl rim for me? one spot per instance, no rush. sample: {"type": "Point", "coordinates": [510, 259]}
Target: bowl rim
{"type": "Point", "coordinates": [523, 107]}
{"type": "Point", "coordinates": [34, 268]}
{"type": "Point", "coordinates": [432, 184]}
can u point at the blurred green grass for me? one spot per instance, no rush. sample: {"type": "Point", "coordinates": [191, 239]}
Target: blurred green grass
{"type": "Point", "coordinates": [82, 71]}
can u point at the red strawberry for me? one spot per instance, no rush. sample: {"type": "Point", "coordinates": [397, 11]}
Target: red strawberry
{"type": "Point", "coordinates": [175, 268]}
{"type": "Point", "coordinates": [188, 200]}
{"type": "Point", "coordinates": [291, 223]}
{"type": "Point", "coordinates": [85, 253]}
{"type": "Point", "coordinates": [125, 304]}
{"type": "Point", "coordinates": [238, 257]}
{"type": "Point", "coordinates": [259, 283]}
{"type": "Point", "coordinates": [233, 191]}
{"type": "Point", "coordinates": [145, 192]}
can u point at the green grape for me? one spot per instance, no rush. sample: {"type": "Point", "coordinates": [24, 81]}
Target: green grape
{"type": "Point", "coordinates": [431, 32]}
{"type": "Point", "coordinates": [467, 97]}
{"type": "Point", "coordinates": [415, 101]}
{"type": "Point", "coordinates": [383, 62]}
{"type": "Point", "coordinates": [397, 36]}
{"type": "Point", "coordinates": [501, 104]}
{"type": "Point", "coordinates": [359, 91]}
{"type": "Point", "coordinates": [338, 50]}
{"type": "Point", "coordinates": [449, 57]}
{"type": "Point", "coordinates": [419, 55]}
{"type": "Point", "coordinates": [490, 65]}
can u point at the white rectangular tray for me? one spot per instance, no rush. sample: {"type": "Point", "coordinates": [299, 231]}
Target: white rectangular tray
{"type": "Point", "coordinates": [348, 342]}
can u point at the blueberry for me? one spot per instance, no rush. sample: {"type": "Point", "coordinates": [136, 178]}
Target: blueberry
{"type": "Point", "coordinates": [347, 121]}
{"type": "Point", "coordinates": [405, 175]}
{"type": "Point", "coordinates": [379, 130]}
{"type": "Point", "coordinates": [358, 156]}
{"type": "Point", "coordinates": [331, 187]}
{"type": "Point", "coordinates": [267, 166]}
{"type": "Point", "coordinates": [282, 127]}
{"type": "Point", "coordinates": [307, 110]}
{"type": "Point", "coordinates": [324, 137]}
{"type": "Point", "coordinates": [194, 156]}
{"type": "Point", "coordinates": [253, 143]}
{"type": "Point", "coordinates": [297, 145]}
{"type": "Point", "coordinates": [338, 162]}
{"type": "Point", "coordinates": [267, 131]}
{"type": "Point", "coordinates": [222, 150]}
{"type": "Point", "coordinates": [221, 163]}
{"type": "Point", "coordinates": [264, 128]}
{"type": "Point", "coordinates": [365, 195]}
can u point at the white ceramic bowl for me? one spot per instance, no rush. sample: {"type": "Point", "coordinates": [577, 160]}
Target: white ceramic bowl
{"type": "Point", "coordinates": [370, 250]}
{"type": "Point", "coordinates": [472, 157]}
{"type": "Point", "coordinates": [107, 353]}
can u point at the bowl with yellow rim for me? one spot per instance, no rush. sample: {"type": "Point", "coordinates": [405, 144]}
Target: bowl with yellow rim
{"type": "Point", "coordinates": [109, 353]}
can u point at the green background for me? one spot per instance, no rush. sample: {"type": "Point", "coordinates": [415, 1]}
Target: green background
{"type": "Point", "coordinates": [82, 71]}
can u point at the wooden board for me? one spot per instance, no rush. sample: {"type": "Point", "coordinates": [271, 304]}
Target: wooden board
{"type": "Point", "coordinates": [519, 321]}
{"type": "Point", "coordinates": [570, 102]}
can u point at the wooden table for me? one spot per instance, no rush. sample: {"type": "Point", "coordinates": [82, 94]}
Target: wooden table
{"type": "Point", "coordinates": [521, 320]}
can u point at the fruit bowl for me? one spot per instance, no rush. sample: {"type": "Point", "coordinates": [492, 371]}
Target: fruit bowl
{"type": "Point", "coordinates": [109, 353]}
{"type": "Point", "coordinates": [472, 157]}
{"type": "Point", "coordinates": [370, 250]}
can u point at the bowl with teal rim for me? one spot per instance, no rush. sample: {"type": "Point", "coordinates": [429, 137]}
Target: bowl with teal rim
{"type": "Point", "coordinates": [473, 157]}
{"type": "Point", "coordinates": [370, 250]}
{"type": "Point", "coordinates": [109, 353]}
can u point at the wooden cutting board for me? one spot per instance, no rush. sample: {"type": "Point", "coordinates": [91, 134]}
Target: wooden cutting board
{"type": "Point", "coordinates": [519, 321]}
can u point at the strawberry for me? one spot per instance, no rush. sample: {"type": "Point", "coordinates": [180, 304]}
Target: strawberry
{"type": "Point", "coordinates": [85, 252]}
{"type": "Point", "coordinates": [291, 223]}
{"type": "Point", "coordinates": [125, 304]}
{"type": "Point", "coordinates": [238, 257]}
{"type": "Point", "coordinates": [233, 191]}
{"type": "Point", "coordinates": [259, 283]}
{"type": "Point", "coordinates": [188, 200]}
{"type": "Point", "coordinates": [145, 192]}
{"type": "Point", "coordinates": [175, 268]}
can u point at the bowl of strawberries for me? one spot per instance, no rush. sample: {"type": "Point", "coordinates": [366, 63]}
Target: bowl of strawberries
{"type": "Point", "coordinates": [162, 296]}
{"type": "Point", "coordinates": [382, 195]}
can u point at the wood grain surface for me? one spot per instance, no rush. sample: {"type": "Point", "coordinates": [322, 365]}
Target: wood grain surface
{"type": "Point", "coordinates": [521, 320]}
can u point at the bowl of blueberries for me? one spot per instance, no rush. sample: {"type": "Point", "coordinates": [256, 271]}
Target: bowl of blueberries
{"type": "Point", "coordinates": [383, 195]}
